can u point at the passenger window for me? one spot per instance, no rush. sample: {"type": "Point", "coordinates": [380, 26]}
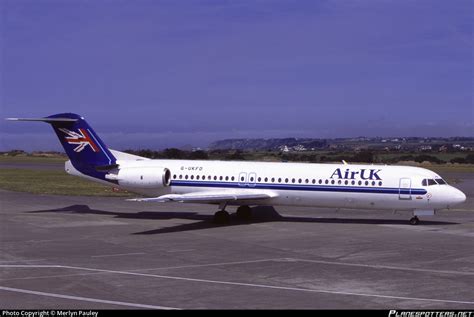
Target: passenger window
{"type": "Point", "coordinates": [279, 180]}
{"type": "Point", "coordinates": [273, 179]}
{"type": "Point", "coordinates": [346, 182]}
{"type": "Point", "coordinates": [380, 183]}
{"type": "Point", "coordinates": [220, 178]}
{"type": "Point", "coordinates": [197, 177]}
{"type": "Point", "coordinates": [192, 176]}
{"type": "Point", "coordinates": [251, 179]}
{"type": "Point", "coordinates": [326, 181]}
{"type": "Point", "coordinates": [232, 178]}
{"type": "Point", "coordinates": [266, 179]}
{"type": "Point", "coordinates": [366, 183]}
{"type": "Point", "coordinates": [320, 181]}
{"type": "Point", "coordinates": [360, 183]}
{"type": "Point", "coordinates": [180, 176]}
{"type": "Point", "coordinates": [286, 180]}
{"type": "Point", "coordinates": [373, 183]}
{"type": "Point", "coordinates": [227, 178]}
{"type": "Point", "coordinates": [259, 179]}
{"type": "Point", "coordinates": [215, 178]}
{"type": "Point", "coordinates": [332, 182]}
{"type": "Point", "coordinates": [299, 180]}
{"type": "Point", "coordinates": [186, 176]}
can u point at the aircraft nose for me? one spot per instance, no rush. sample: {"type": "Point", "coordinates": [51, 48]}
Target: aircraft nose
{"type": "Point", "coordinates": [458, 197]}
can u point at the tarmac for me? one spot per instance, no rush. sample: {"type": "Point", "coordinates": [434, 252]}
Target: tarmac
{"type": "Point", "coordinates": [67, 252]}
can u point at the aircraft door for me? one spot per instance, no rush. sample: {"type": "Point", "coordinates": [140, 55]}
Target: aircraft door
{"type": "Point", "coordinates": [242, 179]}
{"type": "Point", "coordinates": [404, 191]}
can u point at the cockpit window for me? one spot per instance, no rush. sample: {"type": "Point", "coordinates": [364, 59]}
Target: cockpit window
{"type": "Point", "coordinates": [440, 181]}
{"type": "Point", "coordinates": [429, 182]}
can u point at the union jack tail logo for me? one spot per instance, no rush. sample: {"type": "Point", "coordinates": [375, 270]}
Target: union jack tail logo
{"type": "Point", "coordinates": [81, 138]}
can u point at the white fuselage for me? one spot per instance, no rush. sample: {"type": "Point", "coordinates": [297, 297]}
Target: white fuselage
{"type": "Point", "coordinates": [305, 184]}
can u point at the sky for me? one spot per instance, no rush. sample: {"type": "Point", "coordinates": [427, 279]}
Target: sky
{"type": "Point", "coordinates": [156, 74]}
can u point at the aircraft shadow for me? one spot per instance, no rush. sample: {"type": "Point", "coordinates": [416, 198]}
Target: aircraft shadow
{"type": "Point", "coordinates": [260, 214]}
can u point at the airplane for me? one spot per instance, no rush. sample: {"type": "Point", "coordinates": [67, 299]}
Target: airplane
{"type": "Point", "coordinates": [245, 184]}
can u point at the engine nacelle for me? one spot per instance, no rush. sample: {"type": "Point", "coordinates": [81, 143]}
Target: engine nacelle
{"type": "Point", "coordinates": [142, 177]}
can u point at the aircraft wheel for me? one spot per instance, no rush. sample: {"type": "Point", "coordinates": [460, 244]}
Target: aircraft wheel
{"type": "Point", "coordinates": [414, 221]}
{"type": "Point", "coordinates": [221, 217]}
{"type": "Point", "coordinates": [244, 213]}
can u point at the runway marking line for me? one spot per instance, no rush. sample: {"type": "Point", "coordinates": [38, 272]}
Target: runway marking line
{"type": "Point", "coordinates": [86, 299]}
{"type": "Point", "coordinates": [37, 260]}
{"type": "Point", "coordinates": [247, 285]}
{"type": "Point", "coordinates": [138, 270]}
{"type": "Point", "coordinates": [386, 267]}
{"type": "Point", "coordinates": [119, 254]}
{"type": "Point", "coordinates": [184, 250]}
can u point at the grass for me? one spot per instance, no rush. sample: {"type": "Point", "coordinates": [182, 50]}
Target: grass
{"type": "Point", "coordinates": [32, 159]}
{"type": "Point", "coordinates": [53, 182]}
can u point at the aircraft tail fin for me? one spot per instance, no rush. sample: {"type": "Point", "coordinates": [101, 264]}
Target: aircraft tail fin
{"type": "Point", "coordinates": [88, 154]}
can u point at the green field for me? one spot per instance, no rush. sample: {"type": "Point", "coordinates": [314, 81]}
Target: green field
{"type": "Point", "coordinates": [53, 182]}
{"type": "Point", "coordinates": [32, 159]}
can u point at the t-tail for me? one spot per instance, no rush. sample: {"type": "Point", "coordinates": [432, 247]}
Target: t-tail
{"type": "Point", "coordinates": [88, 154]}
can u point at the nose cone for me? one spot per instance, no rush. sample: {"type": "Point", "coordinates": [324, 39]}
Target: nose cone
{"type": "Point", "coordinates": [457, 197]}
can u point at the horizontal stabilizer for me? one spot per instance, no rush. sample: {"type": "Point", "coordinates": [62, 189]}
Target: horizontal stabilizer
{"type": "Point", "coordinates": [48, 120]}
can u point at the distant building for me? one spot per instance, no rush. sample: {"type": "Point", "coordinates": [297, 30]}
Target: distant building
{"type": "Point", "coordinates": [299, 148]}
{"type": "Point", "coordinates": [284, 148]}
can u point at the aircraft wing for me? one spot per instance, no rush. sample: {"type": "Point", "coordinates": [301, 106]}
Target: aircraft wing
{"type": "Point", "coordinates": [211, 197]}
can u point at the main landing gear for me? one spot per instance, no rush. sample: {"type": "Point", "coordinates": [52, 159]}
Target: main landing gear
{"type": "Point", "coordinates": [244, 213]}
{"type": "Point", "coordinates": [223, 217]}
{"type": "Point", "coordinates": [414, 221]}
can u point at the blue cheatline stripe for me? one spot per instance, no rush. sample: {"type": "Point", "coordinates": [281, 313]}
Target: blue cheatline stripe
{"type": "Point", "coordinates": [316, 188]}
